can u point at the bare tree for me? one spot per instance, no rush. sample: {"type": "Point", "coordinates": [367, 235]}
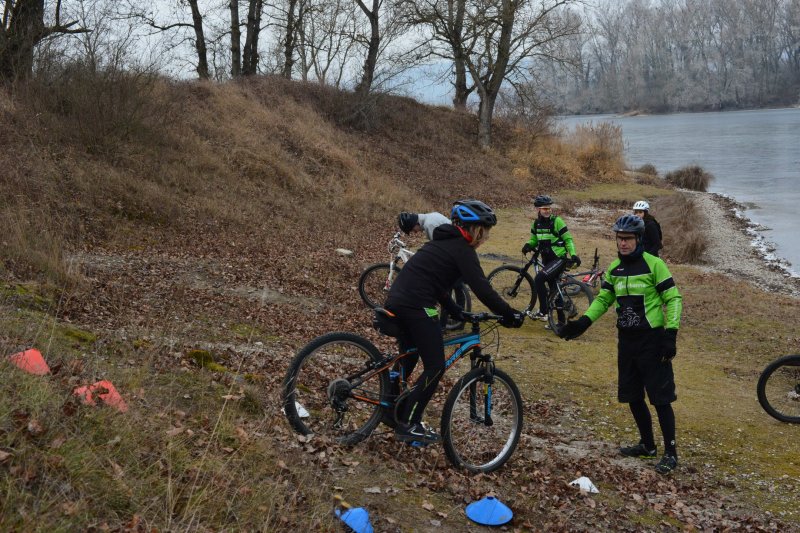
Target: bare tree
{"type": "Point", "coordinates": [325, 40]}
{"type": "Point", "coordinates": [445, 21]}
{"type": "Point", "coordinates": [503, 35]}
{"type": "Point", "coordinates": [371, 60]}
{"type": "Point", "coordinates": [143, 10]}
{"type": "Point", "coordinates": [236, 40]}
{"type": "Point", "coordinates": [23, 28]}
{"type": "Point", "coordinates": [251, 56]}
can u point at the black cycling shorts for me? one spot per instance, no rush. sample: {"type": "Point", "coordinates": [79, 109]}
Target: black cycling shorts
{"type": "Point", "coordinates": [641, 369]}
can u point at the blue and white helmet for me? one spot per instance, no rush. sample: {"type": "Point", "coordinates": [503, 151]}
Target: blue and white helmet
{"type": "Point", "coordinates": [472, 212]}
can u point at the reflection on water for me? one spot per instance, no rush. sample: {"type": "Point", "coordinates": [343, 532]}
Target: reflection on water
{"type": "Point", "coordinates": [754, 155]}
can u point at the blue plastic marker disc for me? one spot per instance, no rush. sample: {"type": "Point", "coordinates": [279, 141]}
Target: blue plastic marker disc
{"type": "Point", "coordinates": [489, 512]}
{"type": "Point", "coordinates": [356, 519]}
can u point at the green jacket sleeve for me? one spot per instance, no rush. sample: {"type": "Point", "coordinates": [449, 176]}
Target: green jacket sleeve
{"type": "Point", "coordinates": [534, 240]}
{"type": "Point", "coordinates": [605, 298]}
{"type": "Point", "coordinates": [561, 229]}
{"type": "Point", "coordinates": [668, 291]}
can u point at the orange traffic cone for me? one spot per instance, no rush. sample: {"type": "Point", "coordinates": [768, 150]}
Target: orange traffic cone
{"type": "Point", "coordinates": [31, 361]}
{"type": "Point", "coordinates": [104, 390]}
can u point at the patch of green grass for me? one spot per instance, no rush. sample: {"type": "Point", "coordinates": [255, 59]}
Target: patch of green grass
{"type": "Point", "coordinates": [79, 335]}
{"type": "Point", "coordinates": [245, 331]}
{"type": "Point", "coordinates": [27, 295]}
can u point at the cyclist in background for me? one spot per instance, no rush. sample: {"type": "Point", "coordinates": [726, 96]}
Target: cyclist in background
{"type": "Point", "coordinates": [551, 239]}
{"type": "Point", "coordinates": [651, 240]}
{"type": "Point", "coordinates": [423, 282]}
{"type": "Point", "coordinates": [640, 284]}
{"type": "Point", "coordinates": [414, 222]}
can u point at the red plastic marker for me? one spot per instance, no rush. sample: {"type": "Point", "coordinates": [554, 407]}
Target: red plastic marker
{"type": "Point", "coordinates": [31, 361]}
{"type": "Point", "coordinates": [105, 391]}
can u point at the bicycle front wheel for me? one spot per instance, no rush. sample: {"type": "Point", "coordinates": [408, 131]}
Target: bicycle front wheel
{"type": "Point", "coordinates": [482, 421]}
{"type": "Point", "coordinates": [319, 392]}
{"type": "Point", "coordinates": [573, 301]}
{"type": "Point", "coordinates": [779, 389]}
{"type": "Point", "coordinates": [514, 285]}
{"type": "Point", "coordinates": [374, 284]}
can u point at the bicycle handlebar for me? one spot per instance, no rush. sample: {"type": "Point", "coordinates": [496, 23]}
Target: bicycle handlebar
{"type": "Point", "coordinates": [480, 317]}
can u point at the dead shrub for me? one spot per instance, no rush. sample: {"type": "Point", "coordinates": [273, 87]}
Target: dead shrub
{"type": "Point", "coordinates": [648, 168]}
{"type": "Point", "coordinates": [599, 149]}
{"type": "Point", "coordinates": [692, 177]}
{"type": "Point", "coordinates": [678, 215]}
{"type": "Point", "coordinates": [96, 107]}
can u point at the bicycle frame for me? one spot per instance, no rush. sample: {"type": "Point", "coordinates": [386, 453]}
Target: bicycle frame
{"type": "Point", "coordinates": [399, 252]}
{"type": "Point", "coordinates": [589, 277]}
{"type": "Point", "coordinates": [464, 343]}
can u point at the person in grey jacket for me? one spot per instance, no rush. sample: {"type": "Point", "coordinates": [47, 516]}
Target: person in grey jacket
{"type": "Point", "coordinates": [415, 222]}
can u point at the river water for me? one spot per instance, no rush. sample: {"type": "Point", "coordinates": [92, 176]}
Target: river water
{"type": "Point", "coordinates": [754, 156]}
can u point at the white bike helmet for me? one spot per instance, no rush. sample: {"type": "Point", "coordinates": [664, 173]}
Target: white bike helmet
{"type": "Point", "coordinates": [641, 205]}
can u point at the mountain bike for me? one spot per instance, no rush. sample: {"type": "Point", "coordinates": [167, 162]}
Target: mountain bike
{"type": "Point", "coordinates": [589, 277]}
{"type": "Point", "coordinates": [345, 387]}
{"type": "Point", "coordinates": [779, 389]}
{"type": "Point", "coordinates": [376, 280]}
{"type": "Point", "coordinates": [569, 299]}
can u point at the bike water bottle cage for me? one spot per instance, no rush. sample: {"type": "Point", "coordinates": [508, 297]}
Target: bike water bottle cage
{"type": "Point", "coordinates": [386, 322]}
{"type": "Point", "coordinates": [472, 212]}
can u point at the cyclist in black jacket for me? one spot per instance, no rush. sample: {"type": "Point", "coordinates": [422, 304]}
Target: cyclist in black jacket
{"type": "Point", "coordinates": [426, 280]}
{"type": "Point", "coordinates": [651, 240]}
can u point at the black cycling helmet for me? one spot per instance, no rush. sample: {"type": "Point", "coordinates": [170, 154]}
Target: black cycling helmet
{"type": "Point", "coordinates": [472, 212]}
{"type": "Point", "coordinates": [542, 200]}
{"type": "Point", "coordinates": [629, 224]}
{"type": "Point", "coordinates": [407, 221]}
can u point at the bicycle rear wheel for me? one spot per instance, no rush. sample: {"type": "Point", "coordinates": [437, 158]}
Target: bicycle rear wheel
{"type": "Point", "coordinates": [577, 297]}
{"type": "Point", "coordinates": [318, 396]}
{"type": "Point", "coordinates": [779, 389]}
{"type": "Point", "coordinates": [374, 284]}
{"type": "Point", "coordinates": [482, 421]}
{"type": "Point", "coordinates": [515, 286]}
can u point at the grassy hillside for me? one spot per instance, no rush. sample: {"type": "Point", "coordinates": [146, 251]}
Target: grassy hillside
{"type": "Point", "coordinates": [178, 239]}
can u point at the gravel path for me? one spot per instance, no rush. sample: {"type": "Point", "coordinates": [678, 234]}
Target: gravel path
{"type": "Point", "coordinates": [731, 249]}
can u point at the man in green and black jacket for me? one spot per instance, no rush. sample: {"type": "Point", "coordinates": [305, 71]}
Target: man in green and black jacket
{"type": "Point", "coordinates": [551, 239]}
{"type": "Point", "coordinates": [640, 285]}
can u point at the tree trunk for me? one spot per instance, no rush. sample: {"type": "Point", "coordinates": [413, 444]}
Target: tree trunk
{"type": "Point", "coordinates": [485, 113]}
{"type": "Point", "coordinates": [250, 66]}
{"type": "Point", "coordinates": [200, 41]}
{"type": "Point", "coordinates": [371, 61]}
{"type": "Point", "coordinates": [462, 92]}
{"type": "Point", "coordinates": [25, 30]}
{"type": "Point", "coordinates": [236, 40]}
{"type": "Point", "coordinates": [289, 44]}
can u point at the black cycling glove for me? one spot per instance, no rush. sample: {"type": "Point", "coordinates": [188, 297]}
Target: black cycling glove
{"type": "Point", "coordinates": [576, 260]}
{"type": "Point", "coordinates": [575, 328]}
{"type": "Point", "coordinates": [512, 320]}
{"type": "Point", "coordinates": [668, 348]}
{"type": "Point", "coordinates": [527, 247]}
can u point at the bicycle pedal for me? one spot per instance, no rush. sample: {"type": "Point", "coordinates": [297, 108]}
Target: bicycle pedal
{"type": "Point", "coordinates": [417, 444]}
